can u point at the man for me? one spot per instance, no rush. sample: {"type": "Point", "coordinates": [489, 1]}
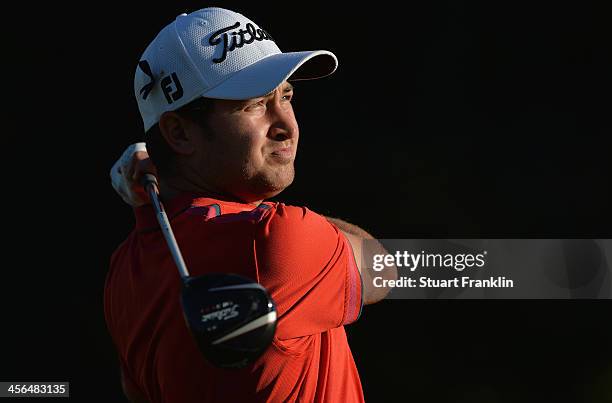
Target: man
{"type": "Point", "coordinates": [216, 104]}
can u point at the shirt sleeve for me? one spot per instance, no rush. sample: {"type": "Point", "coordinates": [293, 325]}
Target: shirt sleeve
{"type": "Point", "coordinates": [309, 268]}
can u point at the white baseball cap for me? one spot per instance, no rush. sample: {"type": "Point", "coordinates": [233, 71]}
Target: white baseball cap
{"type": "Point", "coordinates": [217, 53]}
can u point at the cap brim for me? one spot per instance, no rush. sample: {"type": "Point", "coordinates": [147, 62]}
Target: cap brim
{"type": "Point", "coordinates": [264, 76]}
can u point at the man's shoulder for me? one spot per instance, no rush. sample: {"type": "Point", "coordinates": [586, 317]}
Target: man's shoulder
{"type": "Point", "coordinates": [290, 210]}
{"type": "Point", "coordinates": [299, 215]}
{"type": "Point", "coordinates": [291, 222]}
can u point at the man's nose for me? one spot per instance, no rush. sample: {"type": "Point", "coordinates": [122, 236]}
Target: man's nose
{"type": "Point", "coordinates": [284, 126]}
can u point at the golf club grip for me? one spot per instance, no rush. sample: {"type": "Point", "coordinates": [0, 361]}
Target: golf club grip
{"type": "Point", "coordinates": [149, 181]}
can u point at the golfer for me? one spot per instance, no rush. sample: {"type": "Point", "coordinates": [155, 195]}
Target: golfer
{"type": "Point", "coordinates": [215, 95]}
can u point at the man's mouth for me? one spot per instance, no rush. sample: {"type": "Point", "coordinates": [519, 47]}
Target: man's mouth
{"type": "Point", "coordinates": [283, 154]}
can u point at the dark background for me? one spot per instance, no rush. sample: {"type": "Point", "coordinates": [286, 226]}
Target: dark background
{"type": "Point", "coordinates": [444, 119]}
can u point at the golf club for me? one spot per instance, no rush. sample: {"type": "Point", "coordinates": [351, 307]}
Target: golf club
{"type": "Point", "coordinates": [232, 318]}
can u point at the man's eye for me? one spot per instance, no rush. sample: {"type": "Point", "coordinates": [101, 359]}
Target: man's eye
{"type": "Point", "coordinates": [255, 105]}
{"type": "Point", "coordinates": [288, 97]}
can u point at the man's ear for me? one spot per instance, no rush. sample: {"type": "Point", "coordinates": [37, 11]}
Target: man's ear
{"type": "Point", "coordinates": [176, 130]}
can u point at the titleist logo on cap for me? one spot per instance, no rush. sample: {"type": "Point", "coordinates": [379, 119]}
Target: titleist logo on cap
{"type": "Point", "coordinates": [238, 38]}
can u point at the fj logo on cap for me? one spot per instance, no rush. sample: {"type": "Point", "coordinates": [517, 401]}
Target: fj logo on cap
{"type": "Point", "coordinates": [238, 38]}
{"type": "Point", "coordinates": [171, 94]}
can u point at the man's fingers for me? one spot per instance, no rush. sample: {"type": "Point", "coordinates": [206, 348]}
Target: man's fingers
{"type": "Point", "coordinates": [123, 171]}
{"type": "Point", "coordinates": [143, 166]}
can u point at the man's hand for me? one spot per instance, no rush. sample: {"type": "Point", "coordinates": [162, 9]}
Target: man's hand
{"type": "Point", "coordinates": [127, 171]}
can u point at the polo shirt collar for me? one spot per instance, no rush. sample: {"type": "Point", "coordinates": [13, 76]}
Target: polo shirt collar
{"type": "Point", "coordinates": [146, 218]}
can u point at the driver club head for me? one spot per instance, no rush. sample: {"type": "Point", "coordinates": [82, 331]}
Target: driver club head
{"type": "Point", "coordinates": [232, 318]}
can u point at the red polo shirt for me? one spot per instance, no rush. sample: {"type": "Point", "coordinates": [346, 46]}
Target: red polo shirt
{"type": "Point", "coordinates": [304, 261]}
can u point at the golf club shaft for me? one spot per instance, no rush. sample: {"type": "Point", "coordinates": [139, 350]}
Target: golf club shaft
{"type": "Point", "coordinates": [150, 183]}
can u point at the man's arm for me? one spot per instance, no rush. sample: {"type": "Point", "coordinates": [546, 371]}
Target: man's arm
{"type": "Point", "coordinates": [356, 236]}
{"type": "Point", "coordinates": [135, 162]}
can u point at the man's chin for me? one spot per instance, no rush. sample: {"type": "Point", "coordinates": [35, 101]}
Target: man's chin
{"type": "Point", "coordinates": [270, 187]}
{"type": "Point", "coordinates": [275, 190]}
